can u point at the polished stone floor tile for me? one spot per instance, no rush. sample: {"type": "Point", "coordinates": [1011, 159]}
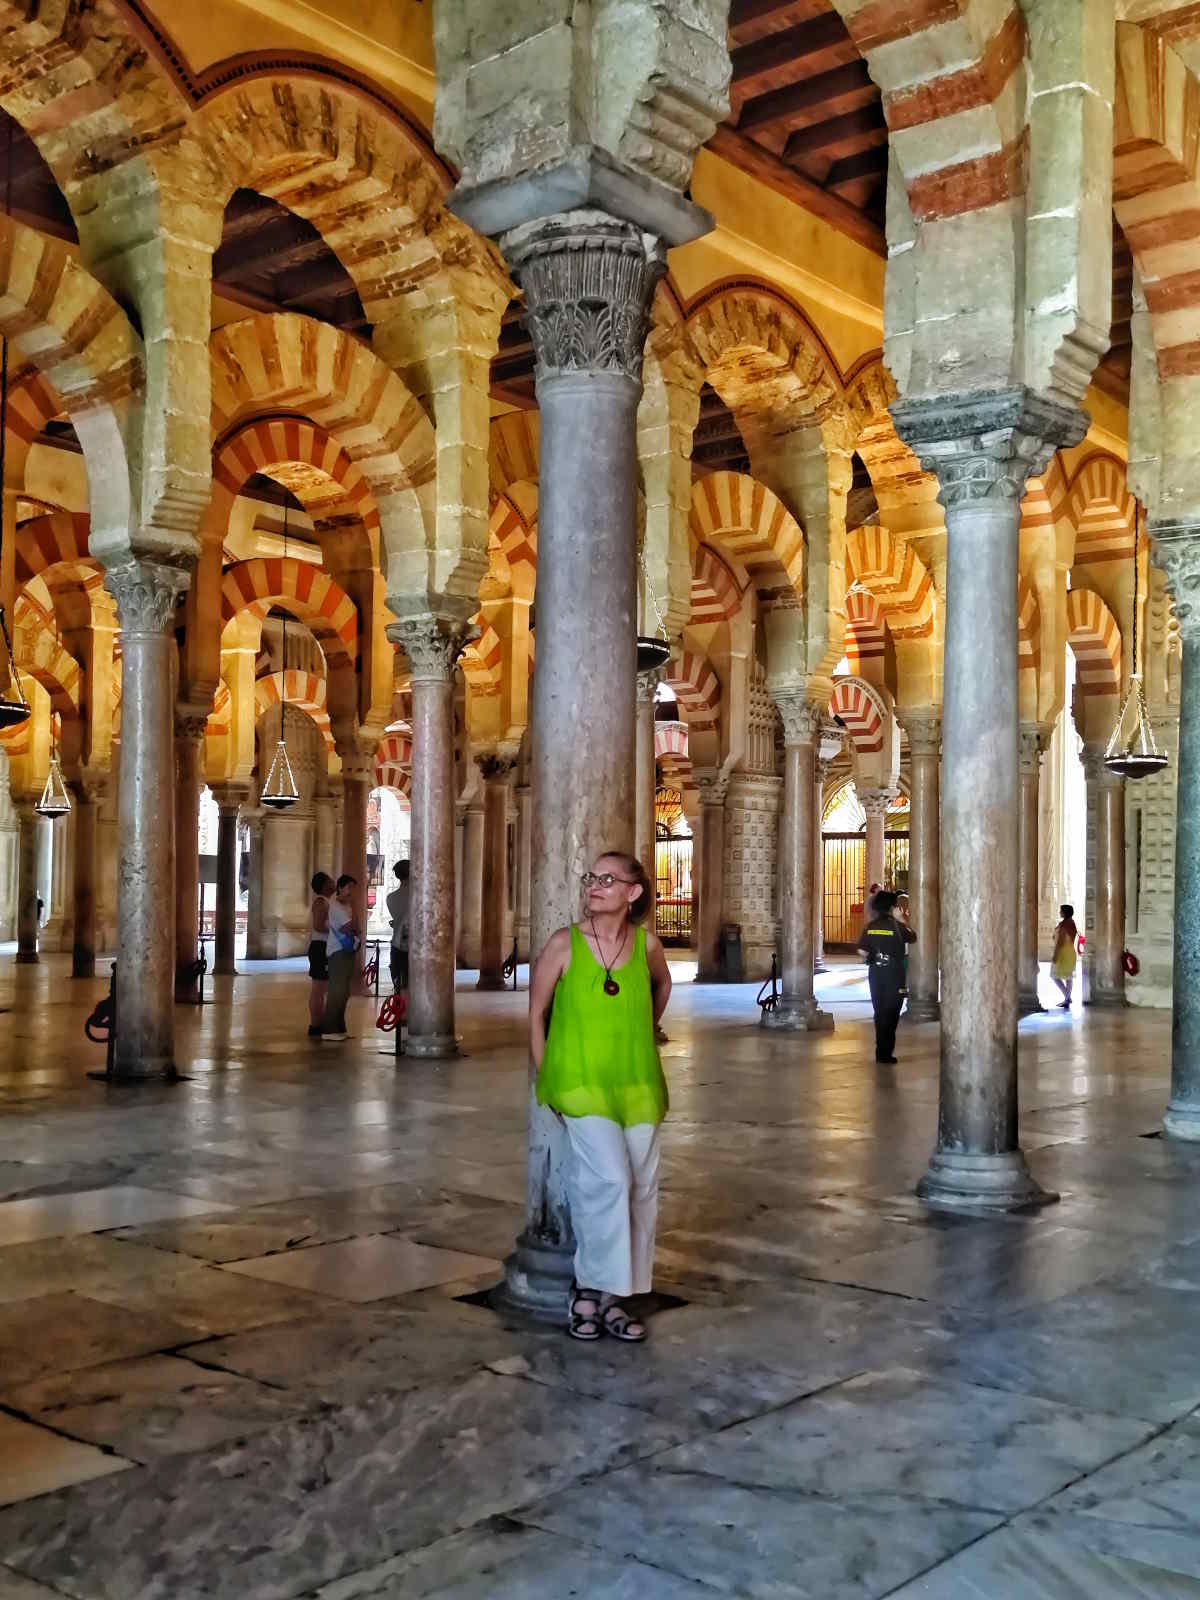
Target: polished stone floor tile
{"type": "Point", "coordinates": [84, 1262]}
{"type": "Point", "coordinates": [53, 1216]}
{"type": "Point", "coordinates": [318, 1499]}
{"type": "Point", "coordinates": [207, 1300]}
{"type": "Point", "coordinates": [1022, 1563]}
{"type": "Point", "coordinates": [373, 1268]}
{"type": "Point", "coordinates": [34, 1461]}
{"type": "Point", "coordinates": [154, 1406]}
{"type": "Point", "coordinates": [14, 1587]}
{"type": "Point", "coordinates": [59, 1332]}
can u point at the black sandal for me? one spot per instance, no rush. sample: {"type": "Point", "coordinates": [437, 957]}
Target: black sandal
{"type": "Point", "coordinates": [617, 1324]}
{"type": "Point", "coordinates": [585, 1325]}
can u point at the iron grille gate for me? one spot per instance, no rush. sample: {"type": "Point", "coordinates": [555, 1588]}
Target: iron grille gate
{"type": "Point", "coordinates": [673, 890]}
{"type": "Point", "coordinates": [845, 881]}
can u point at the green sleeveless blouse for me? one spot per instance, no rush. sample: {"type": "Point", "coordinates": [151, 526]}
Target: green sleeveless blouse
{"type": "Point", "coordinates": [600, 1058]}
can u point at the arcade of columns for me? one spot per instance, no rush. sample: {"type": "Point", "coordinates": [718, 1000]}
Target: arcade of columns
{"type": "Point", "coordinates": [921, 650]}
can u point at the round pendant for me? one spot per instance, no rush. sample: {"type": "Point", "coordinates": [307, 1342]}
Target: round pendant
{"type": "Point", "coordinates": [611, 986]}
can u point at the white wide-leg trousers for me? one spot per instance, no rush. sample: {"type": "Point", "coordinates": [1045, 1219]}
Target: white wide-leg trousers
{"type": "Point", "coordinates": [614, 1203]}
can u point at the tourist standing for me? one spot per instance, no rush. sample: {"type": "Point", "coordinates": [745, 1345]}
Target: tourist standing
{"type": "Point", "coordinates": [397, 905]}
{"type": "Point", "coordinates": [1062, 963]}
{"type": "Point", "coordinates": [342, 944]}
{"type": "Point", "coordinates": [884, 941]}
{"type": "Point", "coordinates": [605, 984]}
{"type": "Point", "coordinates": [318, 956]}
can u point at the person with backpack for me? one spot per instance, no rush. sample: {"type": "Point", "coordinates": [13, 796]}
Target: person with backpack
{"type": "Point", "coordinates": [885, 941]}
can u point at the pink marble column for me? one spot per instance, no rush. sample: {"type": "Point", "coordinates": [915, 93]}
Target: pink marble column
{"type": "Point", "coordinates": [497, 771]}
{"type": "Point", "coordinates": [713, 789]}
{"type": "Point", "coordinates": [924, 729]}
{"type": "Point", "coordinates": [229, 802]}
{"type": "Point", "coordinates": [875, 803]}
{"type": "Point", "coordinates": [85, 793]}
{"type": "Point", "coordinates": [822, 773]}
{"type": "Point", "coordinates": [797, 1007]}
{"type": "Point", "coordinates": [1032, 747]}
{"type": "Point", "coordinates": [190, 723]}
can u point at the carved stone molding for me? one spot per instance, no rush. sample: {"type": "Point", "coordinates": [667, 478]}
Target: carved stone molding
{"type": "Point", "coordinates": [496, 766]}
{"type": "Point", "coordinates": [147, 594]}
{"type": "Point", "coordinates": [800, 717]}
{"type": "Point", "coordinates": [923, 725]}
{"type": "Point", "coordinates": [875, 802]}
{"type": "Point", "coordinates": [431, 645]}
{"type": "Point", "coordinates": [713, 787]}
{"type": "Point", "coordinates": [230, 797]}
{"type": "Point", "coordinates": [985, 446]}
{"type": "Point", "coordinates": [1177, 552]}
{"type": "Point", "coordinates": [1032, 747]}
{"type": "Point", "coordinates": [190, 722]}
{"type": "Point", "coordinates": [588, 280]}
{"type": "Point", "coordinates": [1091, 758]}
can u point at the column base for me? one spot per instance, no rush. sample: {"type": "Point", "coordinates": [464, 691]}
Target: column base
{"type": "Point", "coordinates": [963, 1181]}
{"type": "Point", "coordinates": [27, 958]}
{"type": "Point", "coordinates": [923, 1009]}
{"type": "Point", "coordinates": [1181, 1120]}
{"type": "Point", "coordinates": [537, 1281]}
{"type": "Point", "coordinates": [798, 1016]}
{"type": "Point", "coordinates": [221, 970]}
{"type": "Point", "coordinates": [820, 964]}
{"type": "Point", "coordinates": [432, 1046]}
{"type": "Point", "coordinates": [144, 1072]}
{"type": "Point", "coordinates": [83, 966]}
{"type": "Point", "coordinates": [1106, 999]}
{"type": "Point", "coordinates": [1028, 1003]}
{"type": "Point", "coordinates": [491, 982]}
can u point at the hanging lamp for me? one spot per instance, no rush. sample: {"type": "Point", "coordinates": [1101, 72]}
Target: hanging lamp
{"type": "Point", "coordinates": [1132, 752]}
{"type": "Point", "coordinates": [652, 649]}
{"type": "Point", "coordinates": [279, 792]}
{"type": "Point", "coordinates": [55, 801]}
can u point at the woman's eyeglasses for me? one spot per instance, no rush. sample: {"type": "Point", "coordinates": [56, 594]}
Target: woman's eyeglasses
{"type": "Point", "coordinates": [602, 880]}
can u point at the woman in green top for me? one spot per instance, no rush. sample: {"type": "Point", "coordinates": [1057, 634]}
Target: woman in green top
{"type": "Point", "coordinates": [598, 1070]}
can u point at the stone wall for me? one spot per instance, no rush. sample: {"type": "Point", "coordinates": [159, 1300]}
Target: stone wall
{"type": "Point", "coordinates": [751, 853]}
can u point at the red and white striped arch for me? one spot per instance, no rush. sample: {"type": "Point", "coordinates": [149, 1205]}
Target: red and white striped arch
{"type": "Point", "coordinates": [754, 532]}
{"type": "Point", "coordinates": [303, 690]}
{"type": "Point", "coordinates": [715, 593]}
{"type": "Point", "coordinates": [895, 574]}
{"type": "Point", "coordinates": [306, 459]}
{"type": "Point", "coordinates": [393, 764]}
{"type": "Point", "coordinates": [512, 537]}
{"type": "Point", "coordinates": [1103, 511]}
{"type": "Point", "coordinates": [697, 689]}
{"type": "Point", "coordinates": [865, 638]}
{"type": "Point", "coordinates": [40, 656]}
{"type": "Point", "coordinates": [298, 587]}
{"type": "Point", "coordinates": [862, 712]}
{"type": "Point", "coordinates": [483, 660]}
{"type": "Point", "coordinates": [670, 739]}
{"type": "Point", "coordinates": [1029, 629]}
{"type": "Point", "coordinates": [57, 539]}
{"type": "Point", "coordinates": [1093, 635]}
{"type": "Point", "coordinates": [762, 354]}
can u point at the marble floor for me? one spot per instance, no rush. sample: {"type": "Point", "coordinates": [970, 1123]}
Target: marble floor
{"type": "Point", "coordinates": [238, 1357]}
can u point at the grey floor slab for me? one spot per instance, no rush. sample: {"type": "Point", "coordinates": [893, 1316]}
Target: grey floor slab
{"type": "Point", "coordinates": [82, 1262]}
{"type": "Point", "coordinates": [373, 1268]}
{"type": "Point", "coordinates": [59, 1332]}
{"type": "Point", "coordinates": [51, 1216]}
{"type": "Point", "coordinates": [14, 1587]}
{"type": "Point", "coordinates": [307, 1502]}
{"type": "Point", "coordinates": [208, 1300]}
{"type": "Point", "coordinates": [33, 1461]}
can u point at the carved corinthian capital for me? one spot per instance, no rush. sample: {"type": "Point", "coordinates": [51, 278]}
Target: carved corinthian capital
{"type": "Point", "coordinates": [147, 594]}
{"type": "Point", "coordinates": [431, 645]}
{"type": "Point", "coordinates": [800, 717]}
{"type": "Point", "coordinates": [923, 725]}
{"type": "Point", "coordinates": [986, 446]}
{"type": "Point", "coordinates": [588, 280]}
{"type": "Point", "coordinates": [1177, 552]}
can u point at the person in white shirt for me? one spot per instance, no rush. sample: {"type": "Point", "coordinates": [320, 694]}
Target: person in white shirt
{"type": "Point", "coordinates": [341, 943]}
{"type": "Point", "coordinates": [397, 904]}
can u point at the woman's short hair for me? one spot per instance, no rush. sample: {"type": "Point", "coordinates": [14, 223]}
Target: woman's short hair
{"type": "Point", "coordinates": [1066, 911]}
{"type": "Point", "coordinates": [638, 907]}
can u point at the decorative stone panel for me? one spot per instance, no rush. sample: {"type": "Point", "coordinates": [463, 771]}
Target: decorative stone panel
{"type": "Point", "coordinates": [751, 865]}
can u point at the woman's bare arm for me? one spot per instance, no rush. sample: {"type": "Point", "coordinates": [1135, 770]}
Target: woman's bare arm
{"type": "Point", "coordinates": [660, 976]}
{"type": "Point", "coordinates": [547, 970]}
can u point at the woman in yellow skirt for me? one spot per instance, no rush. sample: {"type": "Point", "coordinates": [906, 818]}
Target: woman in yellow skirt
{"type": "Point", "coordinates": [1062, 966]}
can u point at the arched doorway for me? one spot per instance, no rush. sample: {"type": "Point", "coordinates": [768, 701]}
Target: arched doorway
{"type": "Point", "coordinates": [844, 846]}
{"type": "Point", "coordinates": [672, 869]}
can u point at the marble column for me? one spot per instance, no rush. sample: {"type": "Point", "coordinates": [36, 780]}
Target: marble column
{"type": "Point", "coordinates": [588, 281]}
{"type": "Point", "coordinates": [497, 771]}
{"type": "Point", "coordinates": [470, 921]}
{"type": "Point", "coordinates": [27, 883]}
{"type": "Point", "coordinates": [821, 769]}
{"type": "Point", "coordinates": [85, 804]}
{"type": "Point", "coordinates": [432, 647]}
{"type": "Point", "coordinates": [875, 803]}
{"type": "Point", "coordinates": [256, 838]}
{"type": "Point", "coordinates": [644, 835]}
{"type": "Point", "coordinates": [924, 729]}
{"type": "Point", "coordinates": [797, 1009]}
{"type": "Point", "coordinates": [524, 864]}
{"type": "Point", "coordinates": [1177, 552]}
{"type": "Point", "coordinates": [190, 723]}
{"type": "Point", "coordinates": [229, 804]}
{"type": "Point", "coordinates": [1104, 973]}
{"type": "Point", "coordinates": [53, 845]}
{"type": "Point", "coordinates": [713, 789]}
{"type": "Point", "coordinates": [983, 447]}
{"type": "Point", "coordinates": [357, 778]}
{"type": "Point", "coordinates": [1032, 746]}
{"type": "Point", "coordinates": [146, 594]}
{"type": "Point", "coordinates": [325, 805]}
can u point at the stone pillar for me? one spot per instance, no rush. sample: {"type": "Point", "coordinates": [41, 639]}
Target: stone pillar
{"type": "Point", "coordinates": [27, 883]}
{"type": "Point", "coordinates": [588, 280]}
{"type": "Point", "coordinates": [190, 723]}
{"type": "Point", "coordinates": [1177, 549]}
{"type": "Point", "coordinates": [983, 447]}
{"type": "Point", "coordinates": [797, 1007]}
{"type": "Point", "coordinates": [924, 729]}
{"type": "Point", "coordinates": [821, 770]}
{"type": "Point", "coordinates": [875, 803]}
{"type": "Point", "coordinates": [52, 852]}
{"type": "Point", "coordinates": [713, 789]}
{"type": "Point", "coordinates": [470, 922]}
{"type": "Point", "coordinates": [325, 805]}
{"type": "Point", "coordinates": [432, 648]}
{"type": "Point", "coordinates": [84, 800]}
{"type": "Point", "coordinates": [229, 804]}
{"type": "Point", "coordinates": [1104, 973]}
{"type": "Point", "coordinates": [1032, 746]}
{"type": "Point", "coordinates": [357, 777]}
{"type": "Point", "coordinates": [524, 864]}
{"type": "Point", "coordinates": [644, 834]}
{"type": "Point", "coordinates": [256, 837]}
{"type": "Point", "coordinates": [497, 773]}
{"type": "Point", "coordinates": [146, 596]}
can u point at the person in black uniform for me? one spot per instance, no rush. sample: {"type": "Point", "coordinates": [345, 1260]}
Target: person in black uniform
{"type": "Point", "coordinates": [885, 941]}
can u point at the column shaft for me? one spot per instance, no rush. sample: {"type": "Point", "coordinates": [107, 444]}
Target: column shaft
{"type": "Point", "coordinates": [924, 851]}
{"type": "Point", "coordinates": [797, 1006]}
{"type": "Point", "coordinates": [255, 930]}
{"type": "Point", "coordinates": [644, 831]}
{"type": "Point", "coordinates": [1182, 1119]}
{"type": "Point", "coordinates": [27, 884]}
{"type": "Point", "coordinates": [492, 953]}
{"type": "Point", "coordinates": [818, 860]}
{"type": "Point", "coordinates": [227, 888]}
{"type": "Point", "coordinates": [470, 921]}
{"type": "Point", "coordinates": [876, 822]}
{"type": "Point", "coordinates": [83, 948]}
{"type": "Point", "coordinates": [1105, 929]}
{"type": "Point", "coordinates": [712, 881]}
{"type": "Point", "coordinates": [357, 791]}
{"type": "Point", "coordinates": [524, 865]}
{"type": "Point", "coordinates": [1028, 893]}
{"type": "Point", "coordinates": [189, 747]}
